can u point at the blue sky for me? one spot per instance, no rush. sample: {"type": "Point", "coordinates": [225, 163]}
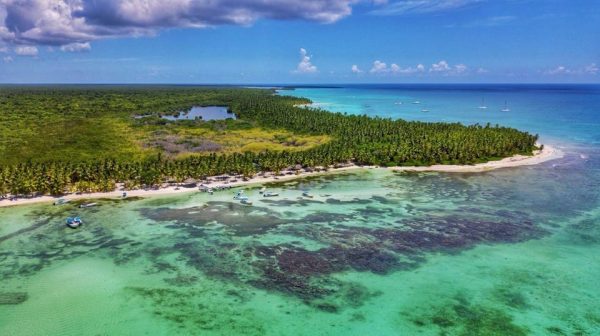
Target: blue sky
{"type": "Point", "coordinates": [313, 41]}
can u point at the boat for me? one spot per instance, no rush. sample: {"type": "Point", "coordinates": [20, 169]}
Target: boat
{"type": "Point", "coordinates": [416, 102]}
{"type": "Point", "coordinates": [74, 222]}
{"type": "Point", "coordinates": [240, 196]}
{"type": "Point", "coordinates": [424, 110]}
{"type": "Point", "coordinates": [505, 109]}
{"type": "Point", "coordinates": [61, 201]}
{"type": "Point", "coordinates": [398, 103]}
{"type": "Point", "coordinates": [246, 201]}
{"type": "Point", "coordinates": [307, 194]}
{"type": "Point", "coordinates": [270, 194]}
{"type": "Point", "coordinates": [262, 190]}
{"type": "Point", "coordinates": [87, 205]}
{"type": "Point", "coordinates": [482, 106]}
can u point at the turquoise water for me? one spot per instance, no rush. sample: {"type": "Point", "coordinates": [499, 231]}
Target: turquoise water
{"type": "Point", "coordinates": [507, 252]}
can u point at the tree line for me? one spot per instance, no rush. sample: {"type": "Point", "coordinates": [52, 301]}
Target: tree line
{"type": "Point", "coordinates": [355, 138]}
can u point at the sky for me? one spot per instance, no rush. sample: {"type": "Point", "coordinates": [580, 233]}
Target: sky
{"type": "Point", "coordinates": [299, 41]}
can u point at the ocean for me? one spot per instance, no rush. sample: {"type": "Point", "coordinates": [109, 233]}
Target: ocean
{"type": "Point", "coordinates": [507, 252]}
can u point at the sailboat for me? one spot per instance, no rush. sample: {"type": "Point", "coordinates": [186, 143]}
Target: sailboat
{"type": "Point", "coordinates": [505, 109]}
{"type": "Point", "coordinates": [482, 106]}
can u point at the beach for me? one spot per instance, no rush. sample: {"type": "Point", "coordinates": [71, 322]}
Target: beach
{"type": "Point", "coordinates": [548, 153]}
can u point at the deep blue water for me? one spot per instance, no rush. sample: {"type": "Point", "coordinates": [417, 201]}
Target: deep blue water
{"type": "Point", "coordinates": [567, 115]}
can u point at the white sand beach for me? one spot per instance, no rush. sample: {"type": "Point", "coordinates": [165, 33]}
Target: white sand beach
{"type": "Point", "coordinates": [547, 154]}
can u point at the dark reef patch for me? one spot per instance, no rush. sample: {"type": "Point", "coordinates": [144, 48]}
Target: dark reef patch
{"type": "Point", "coordinates": [242, 220]}
{"type": "Point", "coordinates": [460, 317]}
{"type": "Point", "coordinates": [13, 298]}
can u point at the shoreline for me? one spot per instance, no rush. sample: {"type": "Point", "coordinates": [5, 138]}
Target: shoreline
{"type": "Point", "coordinates": [547, 154]}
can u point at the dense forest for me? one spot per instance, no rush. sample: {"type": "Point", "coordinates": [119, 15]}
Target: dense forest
{"type": "Point", "coordinates": [59, 139]}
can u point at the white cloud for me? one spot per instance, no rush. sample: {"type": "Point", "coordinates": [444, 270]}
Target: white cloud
{"type": "Point", "coordinates": [482, 71]}
{"type": "Point", "coordinates": [407, 71]}
{"type": "Point", "coordinates": [559, 70]}
{"type": "Point", "coordinates": [460, 68]}
{"type": "Point", "coordinates": [62, 22]}
{"type": "Point", "coordinates": [26, 50]}
{"type": "Point", "coordinates": [441, 66]}
{"type": "Point", "coordinates": [76, 47]}
{"type": "Point", "coordinates": [305, 65]}
{"type": "Point", "coordinates": [356, 69]}
{"type": "Point", "coordinates": [378, 67]}
{"type": "Point", "coordinates": [7, 59]}
{"type": "Point", "coordinates": [493, 21]}
{"type": "Point", "coordinates": [592, 69]}
{"type": "Point", "coordinates": [3, 50]}
{"type": "Point", "coordinates": [402, 7]}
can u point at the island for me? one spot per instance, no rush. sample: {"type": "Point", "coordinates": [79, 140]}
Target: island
{"type": "Point", "coordinates": [59, 140]}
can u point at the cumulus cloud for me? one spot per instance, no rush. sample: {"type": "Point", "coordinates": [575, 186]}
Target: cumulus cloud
{"type": "Point", "coordinates": [64, 22]}
{"type": "Point", "coordinates": [7, 59]}
{"type": "Point", "coordinates": [460, 68]}
{"type": "Point", "coordinates": [305, 65]}
{"type": "Point", "coordinates": [591, 69]}
{"type": "Point", "coordinates": [76, 47]}
{"type": "Point", "coordinates": [407, 71]}
{"type": "Point", "coordinates": [378, 67]}
{"type": "Point", "coordinates": [444, 68]}
{"type": "Point", "coordinates": [26, 50]}
{"type": "Point", "coordinates": [356, 69]}
{"type": "Point", "coordinates": [402, 7]}
{"type": "Point", "coordinates": [441, 66]}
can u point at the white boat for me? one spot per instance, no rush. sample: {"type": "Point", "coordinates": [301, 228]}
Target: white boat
{"type": "Point", "coordinates": [307, 194]}
{"type": "Point", "coordinates": [262, 190]}
{"type": "Point", "coordinates": [482, 106]}
{"type": "Point", "coordinates": [246, 201]}
{"type": "Point", "coordinates": [416, 102]}
{"type": "Point", "coordinates": [505, 109]}
{"type": "Point", "coordinates": [270, 194]}
{"type": "Point", "coordinates": [424, 110]}
{"type": "Point", "coordinates": [61, 201]}
{"type": "Point", "coordinates": [87, 205]}
{"type": "Point", "coordinates": [398, 103]}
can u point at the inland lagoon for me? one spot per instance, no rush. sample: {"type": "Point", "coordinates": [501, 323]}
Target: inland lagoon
{"type": "Point", "coordinates": [373, 252]}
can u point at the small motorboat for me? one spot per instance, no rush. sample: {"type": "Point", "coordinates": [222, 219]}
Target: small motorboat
{"type": "Point", "coordinates": [246, 201]}
{"type": "Point", "coordinates": [424, 110]}
{"type": "Point", "coordinates": [307, 194]}
{"type": "Point", "coordinates": [262, 190]}
{"type": "Point", "coordinates": [61, 201]}
{"type": "Point", "coordinates": [270, 194]}
{"type": "Point", "coordinates": [87, 205]}
{"type": "Point", "coordinates": [416, 102]}
{"type": "Point", "coordinates": [74, 222]}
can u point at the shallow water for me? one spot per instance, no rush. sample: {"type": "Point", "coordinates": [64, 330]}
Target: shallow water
{"type": "Point", "coordinates": [508, 252]}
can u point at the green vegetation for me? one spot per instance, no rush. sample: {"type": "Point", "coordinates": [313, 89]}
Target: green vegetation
{"type": "Point", "coordinates": [56, 139]}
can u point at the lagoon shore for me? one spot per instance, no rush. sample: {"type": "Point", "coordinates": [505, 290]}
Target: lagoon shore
{"type": "Point", "coordinates": [548, 153]}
